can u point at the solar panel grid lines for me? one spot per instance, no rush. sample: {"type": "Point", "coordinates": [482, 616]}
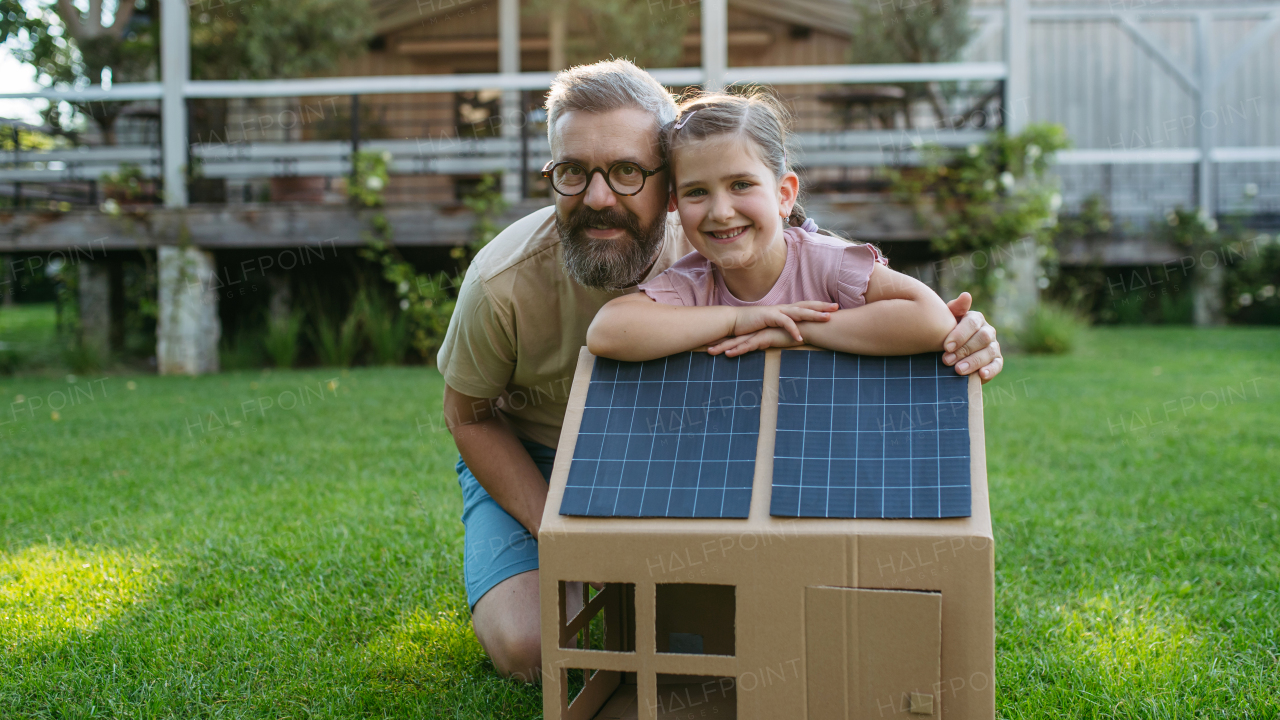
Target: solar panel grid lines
{"type": "Point", "coordinates": [870, 437]}
{"type": "Point", "coordinates": [673, 437]}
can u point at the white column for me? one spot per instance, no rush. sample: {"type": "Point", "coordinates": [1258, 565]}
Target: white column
{"type": "Point", "coordinates": [1017, 55]}
{"type": "Point", "coordinates": [175, 70]}
{"type": "Point", "coordinates": [1206, 296]}
{"type": "Point", "coordinates": [1207, 288]}
{"type": "Point", "coordinates": [187, 326]}
{"type": "Point", "coordinates": [715, 42]}
{"type": "Point", "coordinates": [1017, 292]}
{"type": "Point", "coordinates": [1204, 105]}
{"type": "Point", "coordinates": [512, 113]}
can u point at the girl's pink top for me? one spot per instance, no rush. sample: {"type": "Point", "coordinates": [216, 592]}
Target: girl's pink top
{"type": "Point", "coordinates": [818, 267]}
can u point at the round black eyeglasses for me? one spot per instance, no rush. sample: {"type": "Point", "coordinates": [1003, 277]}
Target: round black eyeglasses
{"type": "Point", "coordinates": [624, 178]}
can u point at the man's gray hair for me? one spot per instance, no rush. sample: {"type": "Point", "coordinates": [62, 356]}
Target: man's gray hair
{"type": "Point", "coordinates": [608, 85]}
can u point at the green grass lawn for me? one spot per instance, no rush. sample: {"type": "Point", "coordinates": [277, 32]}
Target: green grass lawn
{"type": "Point", "coordinates": [271, 545]}
{"type": "Point", "coordinates": [28, 336]}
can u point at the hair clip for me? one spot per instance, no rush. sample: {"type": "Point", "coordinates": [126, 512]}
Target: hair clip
{"type": "Point", "coordinates": [685, 119]}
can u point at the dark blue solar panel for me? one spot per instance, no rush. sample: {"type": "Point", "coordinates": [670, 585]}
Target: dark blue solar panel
{"type": "Point", "coordinates": [870, 437]}
{"type": "Point", "coordinates": [674, 437]}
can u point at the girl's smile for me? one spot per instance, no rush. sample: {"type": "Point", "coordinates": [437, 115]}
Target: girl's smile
{"type": "Point", "coordinates": [727, 236]}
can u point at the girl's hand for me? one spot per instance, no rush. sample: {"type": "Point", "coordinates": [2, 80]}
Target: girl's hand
{"type": "Point", "coordinates": [783, 317]}
{"type": "Point", "coordinates": [758, 340]}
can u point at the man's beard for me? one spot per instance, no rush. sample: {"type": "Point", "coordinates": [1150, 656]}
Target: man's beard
{"type": "Point", "coordinates": [608, 264]}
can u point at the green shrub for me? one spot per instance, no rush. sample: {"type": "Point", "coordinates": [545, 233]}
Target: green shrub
{"type": "Point", "coordinates": [1177, 309]}
{"type": "Point", "coordinates": [427, 301]}
{"type": "Point", "coordinates": [1251, 284]}
{"type": "Point", "coordinates": [1128, 309]}
{"type": "Point", "coordinates": [337, 344]}
{"type": "Point", "coordinates": [386, 330]}
{"type": "Point", "coordinates": [1051, 329]}
{"type": "Point", "coordinates": [281, 341]}
{"type": "Point", "coordinates": [242, 352]}
{"type": "Point", "coordinates": [986, 197]}
{"type": "Point", "coordinates": [11, 359]}
{"type": "Point", "coordinates": [81, 357]}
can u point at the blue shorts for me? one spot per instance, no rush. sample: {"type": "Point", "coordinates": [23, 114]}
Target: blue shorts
{"type": "Point", "coordinates": [497, 546]}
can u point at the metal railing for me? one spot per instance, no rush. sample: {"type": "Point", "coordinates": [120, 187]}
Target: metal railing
{"type": "Point", "coordinates": [516, 151]}
{"type": "Point", "coordinates": [227, 155]}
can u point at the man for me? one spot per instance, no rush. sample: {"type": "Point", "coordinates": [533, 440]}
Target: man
{"type": "Point", "coordinates": [522, 315]}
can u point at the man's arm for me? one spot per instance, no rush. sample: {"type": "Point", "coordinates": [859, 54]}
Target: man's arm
{"type": "Point", "coordinates": [495, 456]}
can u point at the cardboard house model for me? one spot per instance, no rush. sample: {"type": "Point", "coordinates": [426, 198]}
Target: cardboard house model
{"type": "Point", "coordinates": [790, 534]}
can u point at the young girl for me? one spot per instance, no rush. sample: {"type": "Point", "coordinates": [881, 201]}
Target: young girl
{"type": "Point", "coordinates": [761, 275]}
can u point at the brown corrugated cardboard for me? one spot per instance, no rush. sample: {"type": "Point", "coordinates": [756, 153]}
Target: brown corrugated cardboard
{"type": "Point", "coordinates": [808, 630]}
{"type": "Point", "coordinates": [860, 642]}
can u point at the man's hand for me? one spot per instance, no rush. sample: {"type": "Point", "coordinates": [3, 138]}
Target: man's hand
{"type": "Point", "coordinates": [972, 343]}
{"type": "Point", "coordinates": [758, 340]}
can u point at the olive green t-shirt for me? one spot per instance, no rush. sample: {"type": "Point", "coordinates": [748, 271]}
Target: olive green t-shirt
{"type": "Point", "coordinates": [520, 322]}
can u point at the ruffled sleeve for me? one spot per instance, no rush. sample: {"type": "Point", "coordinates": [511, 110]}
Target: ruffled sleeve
{"type": "Point", "coordinates": [856, 263]}
{"type": "Point", "coordinates": [663, 290]}
{"type": "Point", "coordinates": [688, 282]}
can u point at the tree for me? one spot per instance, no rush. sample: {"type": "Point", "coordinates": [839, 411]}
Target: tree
{"type": "Point", "coordinates": [243, 40]}
{"type": "Point", "coordinates": [912, 31]}
{"type": "Point", "coordinates": [71, 48]}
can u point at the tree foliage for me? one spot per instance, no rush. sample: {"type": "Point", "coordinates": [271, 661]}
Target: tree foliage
{"type": "Point", "coordinates": [987, 196]}
{"type": "Point", "coordinates": [992, 194]}
{"type": "Point", "coordinates": [229, 40]}
{"type": "Point", "coordinates": [427, 300]}
{"type": "Point", "coordinates": [911, 31]}
{"type": "Point", "coordinates": [70, 48]}
{"type": "Point", "coordinates": [259, 40]}
{"type": "Point", "coordinates": [650, 34]}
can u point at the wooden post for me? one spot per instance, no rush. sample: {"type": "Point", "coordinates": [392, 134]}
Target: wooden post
{"type": "Point", "coordinates": [512, 116]}
{"type": "Point", "coordinates": [524, 144]}
{"type": "Point", "coordinates": [95, 306]}
{"type": "Point", "coordinates": [17, 159]}
{"type": "Point", "coordinates": [556, 32]}
{"type": "Point", "coordinates": [355, 136]}
{"type": "Point", "coordinates": [8, 286]}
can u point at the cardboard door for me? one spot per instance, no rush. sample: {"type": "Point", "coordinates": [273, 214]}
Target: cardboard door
{"type": "Point", "coordinates": [872, 653]}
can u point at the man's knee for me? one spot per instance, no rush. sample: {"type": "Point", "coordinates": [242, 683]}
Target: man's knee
{"type": "Point", "coordinates": [517, 654]}
{"type": "Point", "coordinates": [506, 621]}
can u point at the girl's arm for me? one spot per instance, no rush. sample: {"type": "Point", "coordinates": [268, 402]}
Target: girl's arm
{"type": "Point", "coordinates": [634, 327]}
{"type": "Point", "coordinates": [902, 316]}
